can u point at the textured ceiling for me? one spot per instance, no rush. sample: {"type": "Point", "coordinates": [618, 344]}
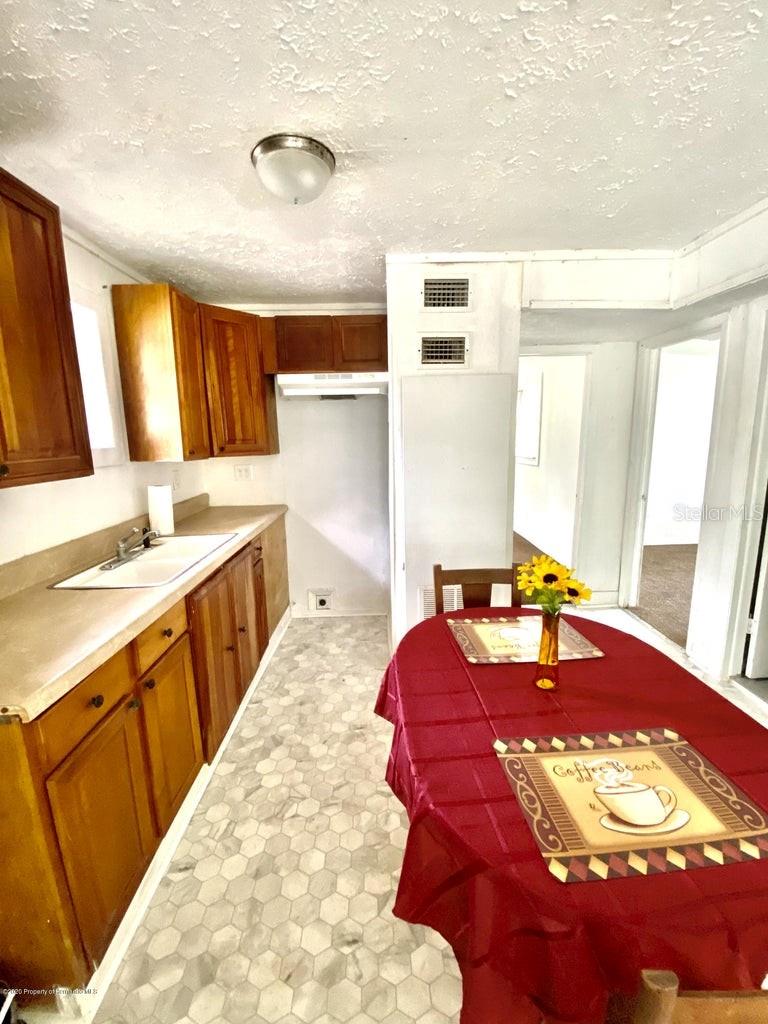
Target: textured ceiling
{"type": "Point", "coordinates": [470, 126]}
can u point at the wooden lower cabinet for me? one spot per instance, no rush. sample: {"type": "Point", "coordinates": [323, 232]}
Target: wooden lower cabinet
{"type": "Point", "coordinates": [249, 650]}
{"type": "Point", "coordinates": [102, 813]}
{"type": "Point", "coordinates": [99, 777]}
{"type": "Point", "coordinates": [211, 619]}
{"type": "Point", "coordinates": [275, 555]}
{"type": "Point", "coordinates": [172, 724]}
{"type": "Point", "coordinates": [227, 616]}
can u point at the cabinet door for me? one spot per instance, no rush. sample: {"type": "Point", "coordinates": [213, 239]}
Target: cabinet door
{"type": "Point", "coordinates": [211, 617]}
{"type": "Point", "coordinates": [359, 343]}
{"type": "Point", "coordinates": [272, 542]}
{"type": "Point", "coordinates": [240, 424]}
{"type": "Point", "coordinates": [262, 625]}
{"type": "Point", "coordinates": [304, 344]}
{"type": "Point", "coordinates": [246, 618]}
{"type": "Point", "coordinates": [101, 807]}
{"type": "Point", "coordinates": [173, 729]}
{"type": "Point", "coordinates": [43, 433]}
{"type": "Point", "coordinates": [190, 376]}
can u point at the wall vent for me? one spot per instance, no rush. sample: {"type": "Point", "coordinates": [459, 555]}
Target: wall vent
{"type": "Point", "coordinates": [443, 350]}
{"type": "Point", "coordinates": [446, 293]}
{"type": "Point", "coordinates": [452, 600]}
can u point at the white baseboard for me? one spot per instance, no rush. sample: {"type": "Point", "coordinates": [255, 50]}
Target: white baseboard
{"type": "Point", "coordinates": [81, 1007]}
{"type": "Point", "coordinates": [298, 612]}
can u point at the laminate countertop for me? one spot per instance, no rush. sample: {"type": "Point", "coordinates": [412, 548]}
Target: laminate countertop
{"type": "Point", "coordinates": [50, 640]}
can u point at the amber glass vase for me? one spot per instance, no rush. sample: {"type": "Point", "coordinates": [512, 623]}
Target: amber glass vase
{"type": "Point", "coordinates": [547, 672]}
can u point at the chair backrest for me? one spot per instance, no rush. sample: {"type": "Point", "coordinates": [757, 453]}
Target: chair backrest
{"type": "Point", "coordinates": [475, 585]}
{"type": "Point", "coordinates": [661, 1002]}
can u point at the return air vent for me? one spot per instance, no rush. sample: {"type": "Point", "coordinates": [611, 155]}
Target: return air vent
{"type": "Point", "coordinates": [452, 600]}
{"type": "Point", "coordinates": [446, 293]}
{"type": "Point", "coordinates": [439, 349]}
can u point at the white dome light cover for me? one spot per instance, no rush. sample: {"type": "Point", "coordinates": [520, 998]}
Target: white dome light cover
{"type": "Point", "coordinates": [294, 168]}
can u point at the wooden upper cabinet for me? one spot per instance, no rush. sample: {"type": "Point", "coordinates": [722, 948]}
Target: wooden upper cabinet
{"type": "Point", "coordinates": [43, 433]}
{"type": "Point", "coordinates": [330, 344]}
{"type": "Point", "coordinates": [102, 814]}
{"type": "Point", "coordinates": [359, 343]}
{"type": "Point", "coordinates": [214, 644]}
{"type": "Point", "coordinates": [240, 396]}
{"type": "Point", "coordinates": [304, 344]}
{"type": "Point", "coordinates": [159, 345]}
{"type": "Point", "coordinates": [173, 729]}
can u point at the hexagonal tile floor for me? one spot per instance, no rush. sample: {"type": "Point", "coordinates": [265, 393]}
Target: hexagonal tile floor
{"type": "Point", "coordinates": [276, 908]}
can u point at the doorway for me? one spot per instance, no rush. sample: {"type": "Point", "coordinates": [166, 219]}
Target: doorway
{"type": "Point", "coordinates": [674, 492]}
{"type": "Point", "coordinates": [550, 403]}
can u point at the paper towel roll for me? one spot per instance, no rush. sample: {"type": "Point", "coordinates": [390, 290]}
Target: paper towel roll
{"type": "Point", "coordinates": [160, 502]}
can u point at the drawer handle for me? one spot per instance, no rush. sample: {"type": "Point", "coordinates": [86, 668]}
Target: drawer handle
{"type": "Point", "coordinates": [134, 704]}
{"type": "Point", "coordinates": [150, 684]}
{"type": "Point", "coordinates": [229, 647]}
{"type": "Point", "coordinates": [97, 701]}
{"type": "Point", "coordinates": [4, 470]}
{"type": "Point", "coordinates": [168, 632]}
{"type": "Point", "coordinates": [242, 629]}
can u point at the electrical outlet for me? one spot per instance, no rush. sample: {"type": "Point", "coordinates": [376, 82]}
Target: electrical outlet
{"type": "Point", "coordinates": [243, 473]}
{"type": "Point", "coordinates": [320, 600]}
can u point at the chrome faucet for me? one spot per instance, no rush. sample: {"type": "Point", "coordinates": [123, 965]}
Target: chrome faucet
{"type": "Point", "coordinates": [131, 546]}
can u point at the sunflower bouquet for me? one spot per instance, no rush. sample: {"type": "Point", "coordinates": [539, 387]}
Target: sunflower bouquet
{"type": "Point", "coordinates": [550, 584]}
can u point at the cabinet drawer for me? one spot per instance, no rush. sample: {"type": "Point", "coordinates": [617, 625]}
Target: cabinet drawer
{"type": "Point", "coordinates": [157, 638]}
{"type": "Point", "coordinates": [62, 727]}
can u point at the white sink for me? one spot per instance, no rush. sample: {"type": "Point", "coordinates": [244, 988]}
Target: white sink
{"type": "Point", "coordinates": [164, 561]}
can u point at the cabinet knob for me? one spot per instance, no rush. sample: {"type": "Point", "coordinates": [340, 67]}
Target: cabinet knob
{"type": "Point", "coordinates": [97, 701]}
{"type": "Point", "coordinates": [134, 704]}
{"type": "Point", "coordinates": [191, 451]}
{"type": "Point", "coordinates": [221, 447]}
{"type": "Point", "coordinates": [168, 632]}
{"type": "Point", "coordinates": [4, 470]}
{"type": "Point", "coordinates": [242, 629]}
{"type": "Point", "coordinates": [150, 684]}
{"type": "Point", "coordinates": [229, 647]}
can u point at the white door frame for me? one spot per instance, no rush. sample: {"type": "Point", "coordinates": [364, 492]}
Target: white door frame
{"type": "Point", "coordinates": [641, 446]}
{"type": "Point", "coordinates": [737, 472]}
{"type": "Point", "coordinates": [570, 350]}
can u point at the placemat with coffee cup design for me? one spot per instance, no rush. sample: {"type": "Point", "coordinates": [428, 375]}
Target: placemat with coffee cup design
{"type": "Point", "coordinates": [609, 805]}
{"type": "Point", "coordinates": [516, 639]}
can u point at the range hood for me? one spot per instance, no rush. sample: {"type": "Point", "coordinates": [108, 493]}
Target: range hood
{"type": "Point", "coordinates": [332, 385]}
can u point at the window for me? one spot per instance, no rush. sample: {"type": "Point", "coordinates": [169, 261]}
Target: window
{"type": "Point", "coordinates": [98, 373]}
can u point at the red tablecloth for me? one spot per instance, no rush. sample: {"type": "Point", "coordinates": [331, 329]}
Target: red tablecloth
{"type": "Point", "coordinates": [526, 943]}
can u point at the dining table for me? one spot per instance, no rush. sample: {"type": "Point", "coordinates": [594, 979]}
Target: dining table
{"type": "Point", "coordinates": [529, 947]}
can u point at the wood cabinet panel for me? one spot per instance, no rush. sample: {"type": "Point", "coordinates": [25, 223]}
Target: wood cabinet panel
{"type": "Point", "coordinates": [275, 556]}
{"type": "Point", "coordinates": [304, 344]}
{"type": "Point", "coordinates": [70, 719]}
{"type": "Point", "coordinates": [172, 725]}
{"type": "Point", "coordinates": [268, 343]}
{"type": "Point", "coordinates": [190, 376]}
{"type": "Point", "coordinates": [262, 625]}
{"type": "Point", "coordinates": [43, 434]}
{"type": "Point", "coordinates": [101, 808]}
{"type": "Point", "coordinates": [211, 618]}
{"type": "Point", "coordinates": [160, 348]}
{"type": "Point", "coordinates": [162, 634]}
{"type": "Point", "coordinates": [359, 343]}
{"type": "Point", "coordinates": [246, 618]}
{"type": "Point", "coordinates": [239, 394]}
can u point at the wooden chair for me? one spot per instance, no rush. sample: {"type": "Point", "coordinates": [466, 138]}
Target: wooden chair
{"type": "Point", "coordinates": [661, 1002]}
{"type": "Point", "coordinates": [475, 585]}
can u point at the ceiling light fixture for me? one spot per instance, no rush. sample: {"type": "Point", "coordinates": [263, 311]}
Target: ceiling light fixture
{"type": "Point", "coordinates": [294, 168]}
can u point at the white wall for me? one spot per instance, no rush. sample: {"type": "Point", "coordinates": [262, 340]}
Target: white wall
{"type": "Point", "coordinates": [606, 436]}
{"type": "Point", "coordinates": [37, 516]}
{"type": "Point", "coordinates": [682, 426]}
{"type": "Point", "coordinates": [546, 494]}
{"type": "Point", "coordinates": [332, 474]}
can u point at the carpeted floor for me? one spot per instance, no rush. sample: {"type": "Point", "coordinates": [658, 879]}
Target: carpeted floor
{"type": "Point", "coordinates": [666, 584]}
